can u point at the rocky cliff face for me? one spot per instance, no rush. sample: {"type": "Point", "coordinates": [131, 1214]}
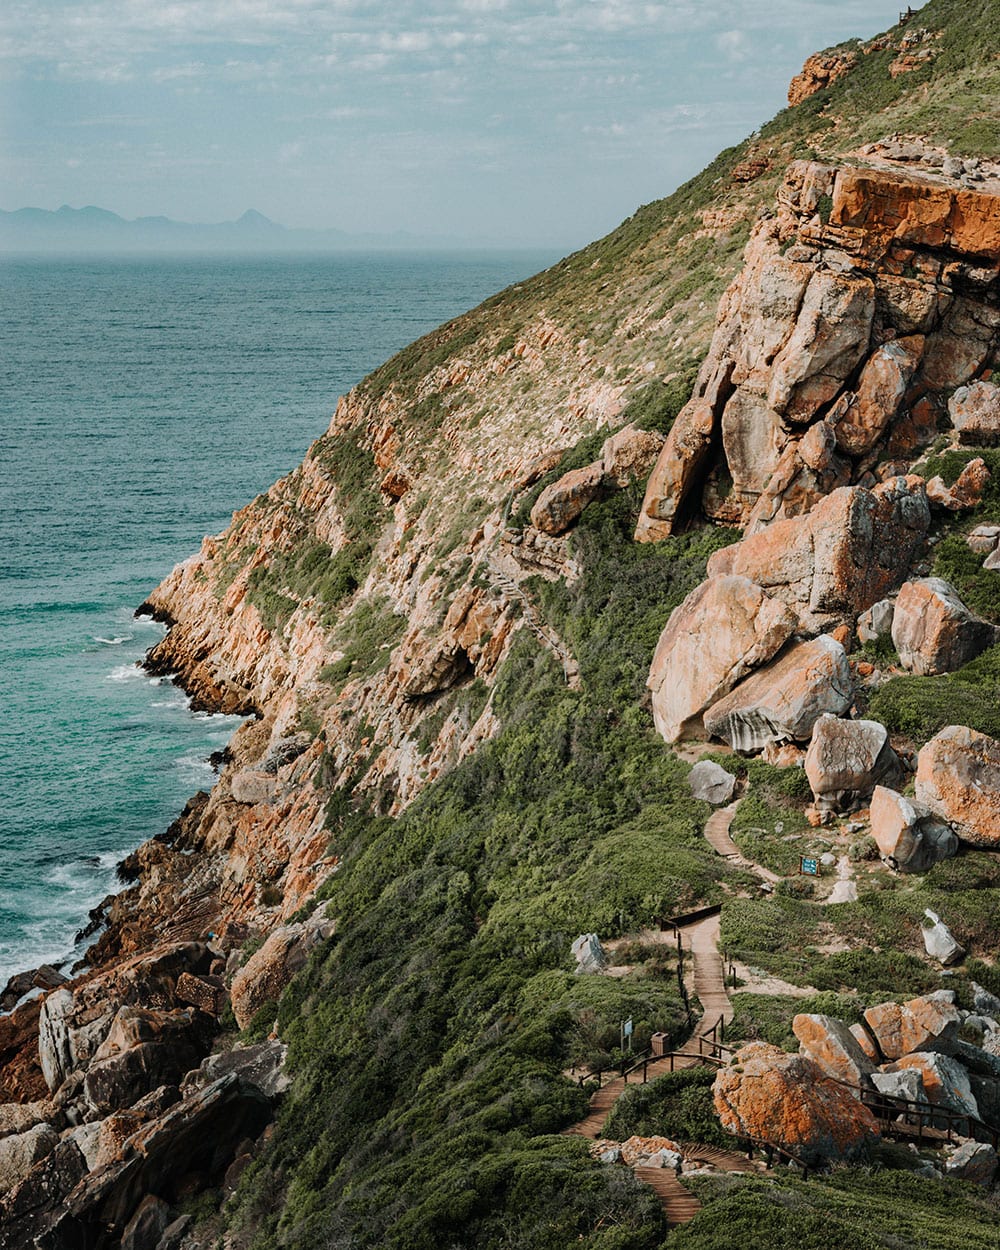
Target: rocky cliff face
{"type": "Point", "coordinates": [361, 613]}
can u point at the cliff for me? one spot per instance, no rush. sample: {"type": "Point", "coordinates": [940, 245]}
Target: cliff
{"type": "Point", "coordinates": [440, 629]}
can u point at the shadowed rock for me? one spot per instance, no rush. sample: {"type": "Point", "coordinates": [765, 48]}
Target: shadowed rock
{"type": "Point", "coordinates": [933, 630]}
{"type": "Point", "coordinates": [908, 834]}
{"type": "Point", "coordinates": [782, 701]}
{"type": "Point", "coordinates": [846, 760]}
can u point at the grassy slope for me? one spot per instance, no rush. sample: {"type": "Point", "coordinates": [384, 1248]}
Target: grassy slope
{"type": "Point", "coordinates": [428, 1037]}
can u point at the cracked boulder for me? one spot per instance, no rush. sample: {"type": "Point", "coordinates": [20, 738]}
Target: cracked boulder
{"type": "Point", "coordinates": [846, 760]}
{"type": "Point", "coordinates": [909, 836]}
{"type": "Point", "coordinates": [724, 629]}
{"type": "Point", "coordinates": [782, 701]}
{"type": "Point", "coordinates": [930, 1022]}
{"type": "Point", "coordinates": [831, 1044]}
{"type": "Point", "coordinates": [933, 630]}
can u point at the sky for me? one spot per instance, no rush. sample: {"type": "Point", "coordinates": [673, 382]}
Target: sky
{"type": "Point", "coordinates": [524, 124]}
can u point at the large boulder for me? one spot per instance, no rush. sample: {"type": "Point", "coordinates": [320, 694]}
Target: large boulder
{"type": "Point", "coordinates": [559, 505]}
{"type": "Point", "coordinates": [909, 836]}
{"type": "Point", "coordinates": [782, 701]}
{"type": "Point", "coordinates": [967, 491]}
{"type": "Point", "coordinates": [144, 1049]}
{"type": "Point", "coordinates": [946, 1083]}
{"type": "Point", "coordinates": [850, 551]}
{"type": "Point", "coordinates": [789, 1101]}
{"type": "Point", "coordinates": [933, 630]}
{"type": "Point", "coordinates": [958, 778]}
{"type": "Point", "coordinates": [630, 453]}
{"type": "Point", "coordinates": [846, 760]}
{"type": "Point", "coordinates": [830, 1044]}
{"type": "Point", "coordinates": [975, 414]}
{"type": "Point", "coordinates": [261, 1065]}
{"type": "Point", "coordinates": [711, 783]}
{"type": "Point", "coordinates": [268, 970]}
{"type": "Point", "coordinates": [723, 630]}
{"type": "Point", "coordinates": [928, 1023]}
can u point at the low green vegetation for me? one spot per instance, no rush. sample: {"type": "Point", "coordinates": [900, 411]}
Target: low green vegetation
{"type": "Point", "coordinates": [770, 827]}
{"type": "Point", "coordinates": [882, 1207]}
{"type": "Point", "coordinates": [366, 635]}
{"type": "Point", "coordinates": [919, 707]}
{"type": "Point", "coordinates": [429, 1038]}
{"type": "Point", "coordinates": [677, 1105]}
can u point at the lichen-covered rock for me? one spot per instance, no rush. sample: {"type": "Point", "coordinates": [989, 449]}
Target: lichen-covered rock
{"type": "Point", "coordinates": [723, 629]}
{"type": "Point", "coordinates": [819, 71]}
{"type": "Point", "coordinates": [268, 970]}
{"type": "Point", "coordinates": [930, 1022]}
{"type": "Point", "coordinates": [782, 701]}
{"type": "Point", "coordinates": [909, 836]}
{"type": "Point", "coordinates": [967, 491]}
{"type": "Point", "coordinates": [559, 505]}
{"type": "Point", "coordinates": [933, 630]}
{"type": "Point", "coordinates": [846, 760]}
{"type": "Point", "coordinates": [850, 551]}
{"type": "Point", "coordinates": [629, 454]}
{"type": "Point", "coordinates": [261, 1065]}
{"type": "Point", "coordinates": [975, 414]}
{"type": "Point", "coordinates": [958, 778]}
{"type": "Point", "coordinates": [880, 390]}
{"type": "Point", "coordinates": [945, 1081]}
{"type": "Point", "coordinates": [789, 1101]}
{"type": "Point", "coordinates": [830, 1044]}
{"type": "Point", "coordinates": [984, 539]}
{"type": "Point", "coordinates": [711, 783]}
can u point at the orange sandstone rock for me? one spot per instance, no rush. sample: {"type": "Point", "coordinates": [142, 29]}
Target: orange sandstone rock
{"type": "Point", "coordinates": [958, 778]}
{"type": "Point", "coordinates": [788, 1100]}
{"type": "Point", "coordinates": [721, 631]}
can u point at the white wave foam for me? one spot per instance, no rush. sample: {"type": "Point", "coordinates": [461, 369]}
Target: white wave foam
{"type": "Point", "coordinates": [126, 672]}
{"type": "Point", "coordinates": [113, 642]}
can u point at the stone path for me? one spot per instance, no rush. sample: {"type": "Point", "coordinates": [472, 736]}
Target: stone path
{"type": "Point", "coordinates": [845, 889]}
{"type": "Point", "coordinates": [717, 835]}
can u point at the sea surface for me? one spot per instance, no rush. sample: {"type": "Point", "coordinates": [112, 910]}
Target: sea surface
{"type": "Point", "coordinates": [141, 402]}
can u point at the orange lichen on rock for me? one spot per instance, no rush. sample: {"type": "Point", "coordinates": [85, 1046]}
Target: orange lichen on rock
{"type": "Point", "coordinates": [789, 1101]}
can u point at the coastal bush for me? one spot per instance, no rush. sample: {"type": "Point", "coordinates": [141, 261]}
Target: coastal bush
{"type": "Point", "coordinates": [677, 1105]}
{"type": "Point", "coordinates": [768, 1017]}
{"type": "Point", "coordinates": [919, 707]}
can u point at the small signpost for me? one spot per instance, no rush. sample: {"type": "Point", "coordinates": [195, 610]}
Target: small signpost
{"type": "Point", "coordinates": [627, 1034]}
{"type": "Point", "coordinates": [809, 867]}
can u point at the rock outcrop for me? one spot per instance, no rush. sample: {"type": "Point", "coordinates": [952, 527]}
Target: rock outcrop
{"type": "Point", "coordinates": [782, 701]}
{"type": "Point", "coordinates": [958, 779]}
{"type": "Point", "coordinates": [722, 630]}
{"type": "Point", "coordinates": [832, 1045]}
{"type": "Point", "coordinates": [823, 328]}
{"type": "Point", "coordinates": [268, 970]}
{"type": "Point", "coordinates": [933, 630]}
{"type": "Point", "coordinates": [787, 1099]}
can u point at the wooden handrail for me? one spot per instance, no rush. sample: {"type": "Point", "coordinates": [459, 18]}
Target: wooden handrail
{"type": "Point", "coordinates": [887, 1107]}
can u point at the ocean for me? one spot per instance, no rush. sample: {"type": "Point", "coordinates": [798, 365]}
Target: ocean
{"type": "Point", "coordinates": [141, 402]}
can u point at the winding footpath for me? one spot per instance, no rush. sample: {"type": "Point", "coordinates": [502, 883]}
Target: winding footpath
{"type": "Point", "coordinates": [708, 977]}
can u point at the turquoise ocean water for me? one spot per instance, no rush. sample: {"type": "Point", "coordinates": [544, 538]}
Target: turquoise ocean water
{"type": "Point", "coordinates": [141, 402]}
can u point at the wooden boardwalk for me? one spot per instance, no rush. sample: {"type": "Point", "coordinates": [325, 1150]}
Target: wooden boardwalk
{"type": "Point", "coordinates": [707, 980]}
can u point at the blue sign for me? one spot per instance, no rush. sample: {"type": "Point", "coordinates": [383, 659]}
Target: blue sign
{"type": "Point", "coordinates": [810, 867]}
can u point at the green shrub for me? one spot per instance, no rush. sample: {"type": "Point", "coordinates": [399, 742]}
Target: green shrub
{"type": "Point", "coordinates": [677, 1105]}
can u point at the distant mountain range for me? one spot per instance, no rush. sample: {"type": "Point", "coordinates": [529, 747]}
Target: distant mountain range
{"type": "Point", "coordinates": [93, 229]}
